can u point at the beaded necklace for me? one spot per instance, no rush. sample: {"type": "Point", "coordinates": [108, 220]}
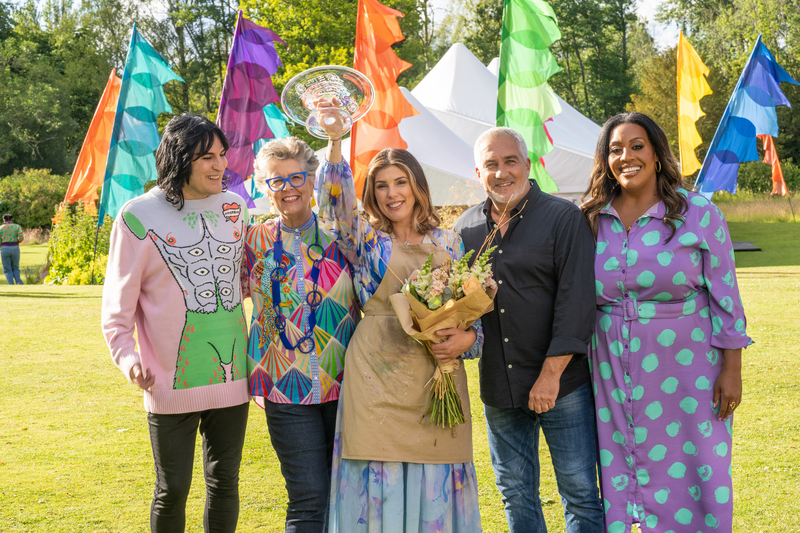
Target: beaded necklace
{"type": "Point", "coordinates": [313, 298]}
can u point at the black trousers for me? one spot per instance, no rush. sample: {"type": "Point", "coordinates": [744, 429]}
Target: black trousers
{"type": "Point", "coordinates": [173, 439]}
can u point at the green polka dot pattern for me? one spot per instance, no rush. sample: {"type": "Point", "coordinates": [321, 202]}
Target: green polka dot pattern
{"type": "Point", "coordinates": [665, 457]}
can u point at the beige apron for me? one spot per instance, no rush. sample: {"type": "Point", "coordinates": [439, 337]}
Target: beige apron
{"type": "Point", "coordinates": [384, 391]}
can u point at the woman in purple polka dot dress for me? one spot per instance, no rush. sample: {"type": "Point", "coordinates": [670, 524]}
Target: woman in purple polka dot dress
{"type": "Point", "coordinates": [666, 353]}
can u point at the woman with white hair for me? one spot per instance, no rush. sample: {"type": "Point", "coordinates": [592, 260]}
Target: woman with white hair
{"type": "Point", "coordinates": [304, 313]}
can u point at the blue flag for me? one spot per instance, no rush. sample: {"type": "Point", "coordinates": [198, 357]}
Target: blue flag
{"type": "Point", "coordinates": [750, 112]}
{"type": "Point", "coordinates": [131, 162]}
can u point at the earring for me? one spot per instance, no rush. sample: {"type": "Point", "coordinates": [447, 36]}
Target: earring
{"type": "Point", "coordinates": [658, 166]}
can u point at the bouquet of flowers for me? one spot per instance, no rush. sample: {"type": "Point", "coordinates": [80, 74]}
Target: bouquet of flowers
{"type": "Point", "coordinates": [451, 295]}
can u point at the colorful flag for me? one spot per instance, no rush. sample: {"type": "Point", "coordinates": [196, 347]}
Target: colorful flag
{"type": "Point", "coordinates": [276, 121]}
{"type": "Point", "coordinates": [131, 162]}
{"type": "Point", "coordinates": [692, 86]}
{"type": "Point", "coordinates": [750, 112]}
{"type": "Point", "coordinates": [247, 90]}
{"type": "Point", "coordinates": [771, 158]}
{"type": "Point", "coordinates": [377, 30]}
{"type": "Point", "coordinates": [524, 99]}
{"type": "Point", "coordinates": [91, 165]}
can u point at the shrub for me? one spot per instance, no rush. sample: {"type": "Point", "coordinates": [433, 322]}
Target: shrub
{"type": "Point", "coordinates": [756, 177]}
{"type": "Point", "coordinates": [33, 275]}
{"type": "Point", "coordinates": [31, 195]}
{"type": "Point", "coordinates": [35, 235]}
{"type": "Point", "coordinates": [71, 247]}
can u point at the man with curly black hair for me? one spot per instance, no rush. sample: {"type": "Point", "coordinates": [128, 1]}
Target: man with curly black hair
{"type": "Point", "coordinates": [173, 276]}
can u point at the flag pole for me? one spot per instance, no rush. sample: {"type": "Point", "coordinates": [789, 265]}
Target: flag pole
{"type": "Point", "coordinates": [94, 254]}
{"type": "Point", "coordinates": [678, 94]}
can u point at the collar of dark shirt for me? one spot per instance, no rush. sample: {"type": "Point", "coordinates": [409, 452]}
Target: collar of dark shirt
{"type": "Point", "coordinates": [523, 206]}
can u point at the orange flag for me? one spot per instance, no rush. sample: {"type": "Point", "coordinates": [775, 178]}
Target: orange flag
{"type": "Point", "coordinates": [377, 30]}
{"type": "Point", "coordinates": [771, 158]}
{"type": "Point", "coordinates": [90, 168]}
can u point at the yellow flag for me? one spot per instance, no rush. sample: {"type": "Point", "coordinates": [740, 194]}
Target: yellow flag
{"type": "Point", "coordinates": [692, 86]}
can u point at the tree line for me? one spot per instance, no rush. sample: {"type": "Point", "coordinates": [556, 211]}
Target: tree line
{"type": "Point", "coordinates": [55, 57]}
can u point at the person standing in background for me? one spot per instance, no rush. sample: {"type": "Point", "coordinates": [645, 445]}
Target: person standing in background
{"type": "Point", "coordinates": [10, 239]}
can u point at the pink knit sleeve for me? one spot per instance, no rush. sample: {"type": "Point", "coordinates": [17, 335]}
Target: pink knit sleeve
{"type": "Point", "coordinates": [121, 296]}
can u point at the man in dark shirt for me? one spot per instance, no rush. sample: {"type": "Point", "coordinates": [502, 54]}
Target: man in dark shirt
{"type": "Point", "coordinates": [534, 371]}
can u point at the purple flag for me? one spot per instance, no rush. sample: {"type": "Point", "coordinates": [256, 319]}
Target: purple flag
{"type": "Point", "coordinates": [247, 90]}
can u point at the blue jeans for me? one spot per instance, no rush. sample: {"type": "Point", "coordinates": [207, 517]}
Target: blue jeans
{"type": "Point", "coordinates": [10, 257]}
{"type": "Point", "coordinates": [571, 435]}
{"type": "Point", "coordinates": [302, 436]}
{"type": "Point", "coordinates": [172, 438]}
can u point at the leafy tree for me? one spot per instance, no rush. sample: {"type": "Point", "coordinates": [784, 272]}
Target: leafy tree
{"type": "Point", "coordinates": [71, 249]}
{"type": "Point", "coordinates": [35, 120]}
{"type": "Point", "coordinates": [598, 66]}
{"type": "Point", "coordinates": [6, 21]}
{"type": "Point", "coordinates": [31, 196]}
{"type": "Point", "coordinates": [723, 32]}
{"type": "Point", "coordinates": [320, 32]}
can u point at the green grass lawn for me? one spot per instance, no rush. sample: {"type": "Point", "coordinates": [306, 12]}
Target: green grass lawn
{"type": "Point", "coordinates": [75, 453]}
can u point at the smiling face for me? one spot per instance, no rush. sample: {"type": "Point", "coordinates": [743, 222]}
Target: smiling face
{"type": "Point", "coordinates": [394, 195]}
{"type": "Point", "coordinates": [207, 171]}
{"type": "Point", "coordinates": [293, 204]}
{"type": "Point", "coordinates": [632, 159]}
{"type": "Point", "coordinates": [503, 170]}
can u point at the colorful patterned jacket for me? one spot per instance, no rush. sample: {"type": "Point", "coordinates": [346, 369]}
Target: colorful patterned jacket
{"type": "Point", "coordinates": [276, 371]}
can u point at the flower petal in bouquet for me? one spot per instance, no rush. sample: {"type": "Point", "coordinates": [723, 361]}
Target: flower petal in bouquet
{"type": "Point", "coordinates": [421, 323]}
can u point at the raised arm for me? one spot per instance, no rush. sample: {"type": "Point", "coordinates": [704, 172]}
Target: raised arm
{"type": "Point", "coordinates": [335, 193]}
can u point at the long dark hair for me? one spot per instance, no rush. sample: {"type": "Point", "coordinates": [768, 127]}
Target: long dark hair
{"type": "Point", "coordinates": [668, 178]}
{"type": "Point", "coordinates": [425, 215]}
{"type": "Point", "coordinates": [186, 138]}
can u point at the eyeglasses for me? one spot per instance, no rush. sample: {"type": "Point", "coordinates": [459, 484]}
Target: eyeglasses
{"type": "Point", "coordinates": [278, 183]}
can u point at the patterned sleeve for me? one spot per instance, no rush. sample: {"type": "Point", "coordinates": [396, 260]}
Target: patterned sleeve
{"type": "Point", "coordinates": [728, 322]}
{"type": "Point", "coordinates": [335, 192]}
{"type": "Point", "coordinates": [367, 249]}
{"type": "Point", "coordinates": [455, 247]}
{"type": "Point", "coordinates": [248, 261]}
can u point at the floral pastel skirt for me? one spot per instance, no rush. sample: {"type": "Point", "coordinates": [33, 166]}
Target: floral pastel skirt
{"type": "Point", "coordinates": [388, 497]}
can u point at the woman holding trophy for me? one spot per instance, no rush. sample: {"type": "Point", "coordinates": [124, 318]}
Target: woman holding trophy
{"type": "Point", "coordinates": [393, 470]}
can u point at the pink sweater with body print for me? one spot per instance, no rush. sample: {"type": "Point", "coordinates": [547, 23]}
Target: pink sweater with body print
{"type": "Point", "coordinates": [173, 279]}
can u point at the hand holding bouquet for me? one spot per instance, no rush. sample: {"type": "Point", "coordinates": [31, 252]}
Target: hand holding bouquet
{"type": "Point", "coordinates": [452, 295]}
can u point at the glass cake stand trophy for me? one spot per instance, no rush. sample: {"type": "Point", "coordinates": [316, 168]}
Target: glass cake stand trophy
{"type": "Point", "coordinates": [302, 94]}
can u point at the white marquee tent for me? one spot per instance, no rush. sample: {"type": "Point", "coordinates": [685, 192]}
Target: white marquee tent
{"type": "Point", "coordinates": [462, 93]}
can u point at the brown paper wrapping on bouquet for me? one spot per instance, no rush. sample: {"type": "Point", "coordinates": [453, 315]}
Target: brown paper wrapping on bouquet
{"type": "Point", "coordinates": [422, 323]}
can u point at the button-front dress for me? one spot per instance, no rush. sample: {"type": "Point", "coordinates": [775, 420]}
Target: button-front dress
{"type": "Point", "coordinates": [665, 313]}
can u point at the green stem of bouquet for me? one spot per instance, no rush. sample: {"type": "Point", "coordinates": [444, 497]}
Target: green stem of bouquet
{"type": "Point", "coordinates": [444, 405]}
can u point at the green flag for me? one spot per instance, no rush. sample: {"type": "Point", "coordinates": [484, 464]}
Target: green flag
{"type": "Point", "coordinates": [524, 100]}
